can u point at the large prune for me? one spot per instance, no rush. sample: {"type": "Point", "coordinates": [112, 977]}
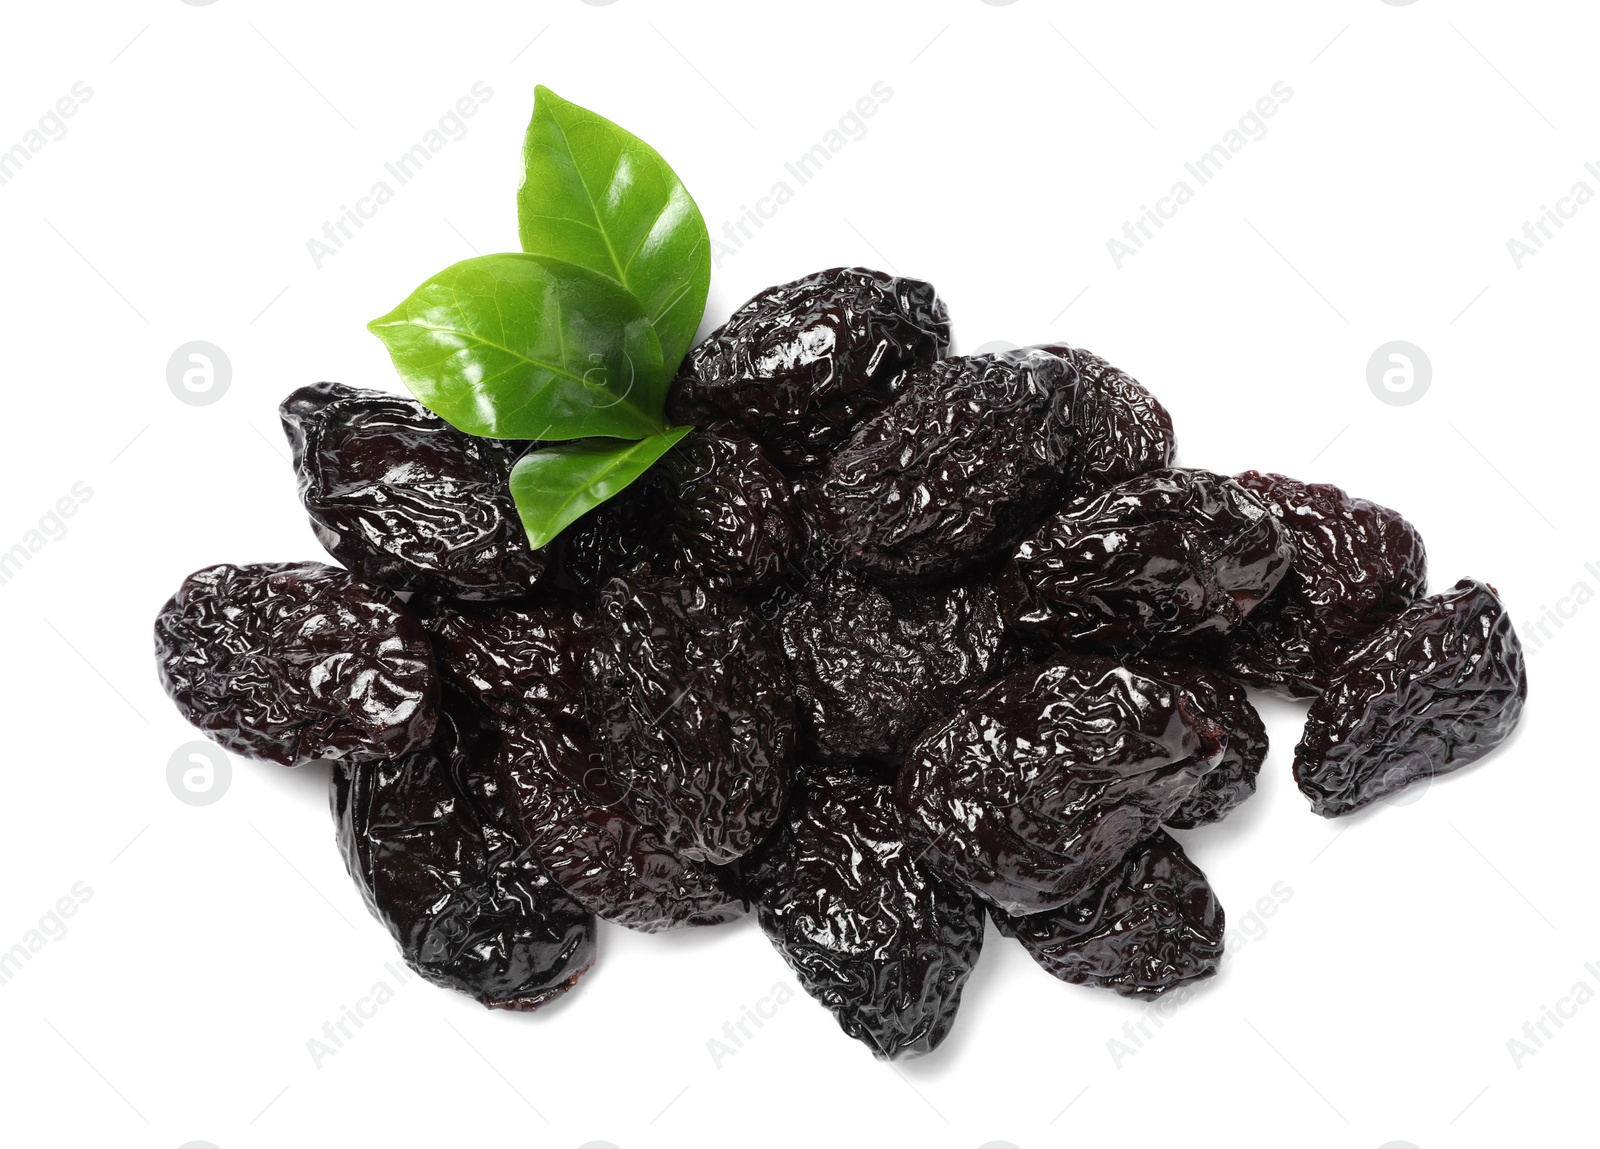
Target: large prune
{"type": "Point", "coordinates": [425, 838]}
{"type": "Point", "coordinates": [694, 708]}
{"type": "Point", "coordinates": [1148, 926]}
{"type": "Point", "coordinates": [1126, 430]}
{"type": "Point", "coordinates": [1037, 788]}
{"type": "Point", "coordinates": [798, 366]}
{"type": "Point", "coordinates": [870, 932]}
{"type": "Point", "coordinates": [1210, 697]}
{"type": "Point", "coordinates": [1170, 554]}
{"type": "Point", "coordinates": [1436, 688]}
{"type": "Point", "coordinates": [1356, 566]}
{"type": "Point", "coordinates": [873, 666]}
{"type": "Point", "coordinates": [525, 667]}
{"type": "Point", "coordinates": [967, 460]}
{"type": "Point", "coordinates": [404, 499]}
{"type": "Point", "coordinates": [713, 507]}
{"type": "Point", "coordinates": [295, 661]}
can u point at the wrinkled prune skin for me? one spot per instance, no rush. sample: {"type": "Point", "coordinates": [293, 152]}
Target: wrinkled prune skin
{"type": "Point", "coordinates": [425, 838]}
{"type": "Point", "coordinates": [1148, 926]}
{"type": "Point", "coordinates": [970, 457]}
{"type": "Point", "coordinates": [1169, 555]}
{"type": "Point", "coordinates": [714, 507]}
{"type": "Point", "coordinates": [801, 364]}
{"type": "Point", "coordinates": [574, 819]}
{"type": "Point", "coordinates": [1126, 429]}
{"type": "Point", "coordinates": [873, 666]}
{"type": "Point", "coordinates": [1212, 698]}
{"type": "Point", "coordinates": [525, 668]}
{"type": "Point", "coordinates": [1438, 687]}
{"type": "Point", "coordinates": [296, 661]}
{"type": "Point", "coordinates": [870, 932]}
{"type": "Point", "coordinates": [1037, 788]}
{"type": "Point", "coordinates": [404, 499]}
{"type": "Point", "coordinates": [1357, 565]}
{"type": "Point", "coordinates": [523, 665]}
{"type": "Point", "coordinates": [694, 709]}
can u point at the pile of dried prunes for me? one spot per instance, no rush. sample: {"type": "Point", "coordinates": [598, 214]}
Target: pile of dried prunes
{"type": "Point", "coordinates": [893, 640]}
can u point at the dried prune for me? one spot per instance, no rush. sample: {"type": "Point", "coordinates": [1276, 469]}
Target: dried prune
{"type": "Point", "coordinates": [1037, 788]}
{"type": "Point", "coordinates": [1126, 429]}
{"type": "Point", "coordinates": [694, 708]}
{"type": "Point", "coordinates": [1166, 555]}
{"type": "Point", "coordinates": [525, 667]}
{"type": "Point", "coordinates": [713, 507]}
{"type": "Point", "coordinates": [870, 932]}
{"type": "Point", "coordinates": [1148, 926]}
{"type": "Point", "coordinates": [798, 366]}
{"type": "Point", "coordinates": [425, 839]}
{"type": "Point", "coordinates": [968, 459]}
{"type": "Point", "coordinates": [1356, 566]}
{"type": "Point", "coordinates": [404, 499]}
{"type": "Point", "coordinates": [1438, 687]}
{"type": "Point", "coordinates": [295, 661]}
{"type": "Point", "coordinates": [1210, 697]}
{"type": "Point", "coordinates": [873, 666]}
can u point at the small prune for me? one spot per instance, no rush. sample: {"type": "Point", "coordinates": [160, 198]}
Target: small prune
{"type": "Point", "coordinates": [1148, 926]}
{"type": "Point", "coordinates": [968, 459]}
{"type": "Point", "coordinates": [801, 364]}
{"type": "Point", "coordinates": [525, 668]}
{"type": "Point", "coordinates": [1037, 788]}
{"type": "Point", "coordinates": [425, 839]}
{"type": "Point", "coordinates": [694, 709]}
{"type": "Point", "coordinates": [873, 666]}
{"type": "Point", "coordinates": [1170, 554]}
{"type": "Point", "coordinates": [1212, 698]}
{"type": "Point", "coordinates": [1436, 688]}
{"type": "Point", "coordinates": [870, 932]}
{"type": "Point", "coordinates": [296, 661]}
{"type": "Point", "coordinates": [1356, 566]}
{"type": "Point", "coordinates": [404, 499]}
{"type": "Point", "coordinates": [1126, 430]}
{"type": "Point", "coordinates": [713, 507]}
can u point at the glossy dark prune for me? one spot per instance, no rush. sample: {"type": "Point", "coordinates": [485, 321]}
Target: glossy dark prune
{"type": "Point", "coordinates": [404, 499]}
{"type": "Point", "coordinates": [870, 932]}
{"type": "Point", "coordinates": [1148, 926]}
{"type": "Point", "coordinates": [1126, 429]}
{"type": "Point", "coordinates": [1037, 788]}
{"type": "Point", "coordinates": [296, 661]}
{"type": "Point", "coordinates": [801, 364]}
{"type": "Point", "coordinates": [1167, 555]}
{"type": "Point", "coordinates": [1438, 687]}
{"type": "Point", "coordinates": [694, 709]}
{"type": "Point", "coordinates": [873, 666]}
{"type": "Point", "coordinates": [1209, 697]}
{"type": "Point", "coordinates": [970, 457]}
{"type": "Point", "coordinates": [1356, 566]}
{"type": "Point", "coordinates": [426, 840]}
{"type": "Point", "coordinates": [713, 507]}
{"type": "Point", "coordinates": [525, 668]}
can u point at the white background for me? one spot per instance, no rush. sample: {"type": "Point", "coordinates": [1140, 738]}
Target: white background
{"type": "Point", "coordinates": [1373, 1007]}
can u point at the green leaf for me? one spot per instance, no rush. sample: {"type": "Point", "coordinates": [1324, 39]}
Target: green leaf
{"type": "Point", "coordinates": [598, 196]}
{"type": "Point", "coordinates": [528, 347]}
{"type": "Point", "coordinates": [555, 486]}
